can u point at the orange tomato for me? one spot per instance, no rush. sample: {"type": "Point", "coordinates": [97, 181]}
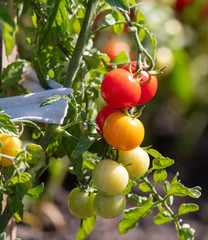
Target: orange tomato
{"type": "Point", "coordinates": [123, 132]}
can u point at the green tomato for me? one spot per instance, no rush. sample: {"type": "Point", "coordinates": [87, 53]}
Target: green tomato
{"type": "Point", "coordinates": [110, 177]}
{"type": "Point", "coordinates": [107, 206]}
{"type": "Point", "coordinates": [80, 203]}
{"type": "Point", "coordinates": [136, 162]}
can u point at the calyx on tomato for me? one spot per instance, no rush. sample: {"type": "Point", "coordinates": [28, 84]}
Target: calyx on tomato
{"type": "Point", "coordinates": [148, 84]}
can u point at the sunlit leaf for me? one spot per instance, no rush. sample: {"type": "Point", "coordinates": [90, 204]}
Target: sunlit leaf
{"type": "Point", "coordinates": [7, 126]}
{"type": "Point", "coordinates": [162, 217]}
{"type": "Point", "coordinates": [86, 227]}
{"type": "Point", "coordinates": [122, 4]}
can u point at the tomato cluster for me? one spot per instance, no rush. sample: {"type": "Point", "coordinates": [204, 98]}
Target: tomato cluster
{"type": "Point", "coordinates": [121, 89]}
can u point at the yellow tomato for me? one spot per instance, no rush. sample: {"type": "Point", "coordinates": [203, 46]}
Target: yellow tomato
{"type": "Point", "coordinates": [9, 143]}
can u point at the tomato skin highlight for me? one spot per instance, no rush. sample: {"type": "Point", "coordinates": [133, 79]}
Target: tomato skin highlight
{"type": "Point", "coordinates": [148, 89]}
{"type": "Point", "coordinates": [80, 203]}
{"type": "Point", "coordinates": [9, 143]}
{"type": "Point", "coordinates": [123, 132]}
{"type": "Point", "coordinates": [109, 206]}
{"type": "Point", "coordinates": [102, 116]}
{"type": "Point", "coordinates": [110, 177]}
{"type": "Point", "coordinates": [136, 162]}
{"type": "Point", "coordinates": [120, 90]}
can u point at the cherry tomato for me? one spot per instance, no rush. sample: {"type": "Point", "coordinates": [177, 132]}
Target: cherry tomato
{"type": "Point", "coordinates": [80, 203]}
{"type": "Point", "coordinates": [115, 46]}
{"type": "Point", "coordinates": [110, 177]}
{"type": "Point", "coordinates": [10, 144]}
{"type": "Point", "coordinates": [102, 115]}
{"type": "Point", "coordinates": [136, 162]}
{"type": "Point", "coordinates": [149, 88]}
{"type": "Point", "coordinates": [120, 90]}
{"type": "Point", "coordinates": [109, 206]}
{"type": "Point", "coordinates": [123, 132]}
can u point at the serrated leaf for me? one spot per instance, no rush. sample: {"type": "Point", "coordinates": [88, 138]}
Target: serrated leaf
{"type": "Point", "coordinates": [186, 232]}
{"type": "Point", "coordinates": [21, 183]}
{"type": "Point", "coordinates": [7, 126]}
{"type": "Point", "coordinates": [50, 100]}
{"type": "Point", "coordinates": [118, 28]}
{"type": "Point", "coordinates": [139, 200]}
{"type": "Point", "coordinates": [36, 191]}
{"type": "Point", "coordinates": [84, 143]}
{"type": "Point", "coordinates": [160, 175]}
{"type": "Point", "coordinates": [139, 16]}
{"type": "Point", "coordinates": [108, 20]}
{"type": "Point", "coordinates": [122, 57]}
{"type": "Point", "coordinates": [37, 156]}
{"type": "Point", "coordinates": [130, 185]}
{"type": "Point", "coordinates": [162, 162]}
{"type": "Point", "coordinates": [187, 208]}
{"type": "Point", "coordinates": [178, 189]}
{"type": "Point", "coordinates": [86, 227]}
{"type": "Point", "coordinates": [15, 203]}
{"type": "Point", "coordinates": [144, 187]}
{"type": "Point", "coordinates": [12, 74]}
{"type": "Point", "coordinates": [120, 4]}
{"type": "Point", "coordinates": [132, 215]}
{"type": "Point", "coordinates": [162, 217]}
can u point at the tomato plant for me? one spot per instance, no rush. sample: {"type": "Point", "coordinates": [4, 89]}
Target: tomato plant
{"type": "Point", "coordinates": [109, 206]}
{"type": "Point", "coordinates": [136, 162]}
{"type": "Point", "coordinates": [80, 203]}
{"type": "Point", "coordinates": [120, 90]}
{"type": "Point", "coordinates": [110, 177]}
{"type": "Point", "coordinates": [148, 84]}
{"type": "Point", "coordinates": [10, 145]}
{"type": "Point", "coordinates": [123, 132]}
{"type": "Point", "coordinates": [102, 115]}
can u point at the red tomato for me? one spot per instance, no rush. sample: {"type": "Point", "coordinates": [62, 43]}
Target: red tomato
{"type": "Point", "coordinates": [149, 88]}
{"type": "Point", "coordinates": [102, 115]}
{"type": "Point", "coordinates": [115, 46]}
{"type": "Point", "coordinates": [120, 90]}
{"type": "Point", "coordinates": [123, 132]}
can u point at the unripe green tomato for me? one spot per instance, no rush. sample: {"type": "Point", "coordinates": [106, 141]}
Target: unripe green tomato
{"type": "Point", "coordinates": [80, 203]}
{"type": "Point", "coordinates": [136, 161]}
{"type": "Point", "coordinates": [110, 177]}
{"type": "Point", "coordinates": [107, 206]}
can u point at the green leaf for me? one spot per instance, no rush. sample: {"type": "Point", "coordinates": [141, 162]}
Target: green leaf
{"type": "Point", "coordinates": [144, 187]}
{"type": "Point", "coordinates": [12, 74]}
{"type": "Point", "coordinates": [130, 185]}
{"type": "Point", "coordinates": [3, 236]}
{"type": "Point", "coordinates": [7, 28]}
{"type": "Point", "coordinates": [100, 147]}
{"type": "Point", "coordinates": [86, 227]}
{"type": "Point", "coordinates": [50, 100]}
{"type": "Point", "coordinates": [84, 143]}
{"type": "Point", "coordinates": [37, 156]}
{"type": "Point", "coordinates": [21, 183]}
{"type": "Point", "coordinates": [77, 167]}
{"type": "Point", "coordinates": [120, 4]}
{"type": "Point", "coordinates": [162, 217]}
{"type": "Point", "coordinates": [154, 43]}
{"type": "Point", "coordinates": [15, 203]}
{"type": "Point", "coordinates": [132, 215]}
{"type": "Point", "coordinates": [7, 126]}
{"type": "Point", "coordinates": [141, 34]}
{"type": "Point", "coordinates": [139, 16]}
{"type": "Point", "coordinates": [178, 189]}
{"type": "Point", "coordinates": [160, 175]}
{"type": "Point", "coordinates": [122, 57]}
{"type": "Point", "coordinates": [187, 208]}
{"type": "Point", "coordinates": [36, 191]}
{"type": "Point", "coordinates": [118, 28]}
{"type": "Point", "coordinates": [108, 20]}
{"type": "Point", "coordinates": [139, 200]}
{"type": "Point", "coordinates": [186, 232]}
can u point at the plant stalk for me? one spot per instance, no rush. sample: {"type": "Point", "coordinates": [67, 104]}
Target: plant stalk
{"type": "Point", "coordinates": [81, 43]}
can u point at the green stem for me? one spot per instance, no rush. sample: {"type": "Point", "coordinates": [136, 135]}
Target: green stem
{"type": "Point", "coordinates": [140, 49]}
{"type": "Point", "coordinates": [162, 201]}
{"type": "Point", "coordinates": [80, 45]}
